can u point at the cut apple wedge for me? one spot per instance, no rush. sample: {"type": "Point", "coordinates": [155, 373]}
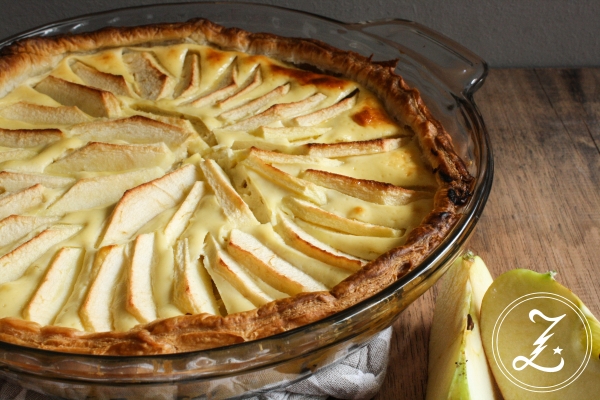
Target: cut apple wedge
{"type": "Point", "coordinates": [142, 203]}
{"type": "Point", "coordinates": [541, 341]}
{"type": "Point", "coordinates": [19, 138]}
{"type": "Point", "coordinates": [458, 368]}
{"type": "Point", "coordinates": [95, 102]}
{"type": "Point", "coordinates": [98, 156]}
{"type": "Point", "coordinates": [101, 80]}
{"type": "Point", "coordinates": [40, 114]}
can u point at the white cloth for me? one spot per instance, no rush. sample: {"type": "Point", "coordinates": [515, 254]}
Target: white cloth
{"type": "Point", "coordinates": [358, 376]}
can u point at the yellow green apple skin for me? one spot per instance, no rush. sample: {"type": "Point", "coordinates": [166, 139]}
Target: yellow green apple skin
{"type": "Point", "coordinates": [458, 367]}
{"type": "Point", "coordinates": [537, 343]}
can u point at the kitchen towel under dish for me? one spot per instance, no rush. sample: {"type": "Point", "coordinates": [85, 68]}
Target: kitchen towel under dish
{"type": "Point", "coordinates": [358, 376]}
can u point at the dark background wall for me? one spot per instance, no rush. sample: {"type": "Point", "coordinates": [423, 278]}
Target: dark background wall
{"type": "Point", "coordinates": [506, 33]}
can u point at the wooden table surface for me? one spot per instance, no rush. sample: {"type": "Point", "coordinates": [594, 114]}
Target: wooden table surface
{"type": "Point", "coordinates": [544, 209]}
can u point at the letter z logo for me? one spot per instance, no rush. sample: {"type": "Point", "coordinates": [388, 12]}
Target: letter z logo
{"type": "Point", "coordinates": [541, 345]}
{"type": "Point", "coordinates": [526, 326]}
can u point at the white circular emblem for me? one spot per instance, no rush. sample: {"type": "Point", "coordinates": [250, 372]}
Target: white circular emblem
{"type": "Point", "coordinates": [536, 353]}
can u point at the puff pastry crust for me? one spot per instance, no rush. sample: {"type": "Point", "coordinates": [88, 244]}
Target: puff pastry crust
{"type": "Point", "coordinates": [36, 56]}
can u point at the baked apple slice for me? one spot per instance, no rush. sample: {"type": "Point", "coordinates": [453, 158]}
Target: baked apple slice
{"type": "Point", "coordinates": [140, 300]}
{"type": "Point", "coordinates": [256, 104]}
{"type": "Point", "coordinates": [15, 181]}
{"type": "Point", "coordinates": [135, 130]}
{"type": "Point", "coordinates": [98, 156]}
{"type": "Point", "coordinates": [100, 191]}
{"type": "Point", "coordinates": [190, 76]}
{"type": "Point", "coordinates": [192, 288]}
{"type": "Point", "coordinates": [14, 227]}
{"type": "Point", "coordinates": [46, 115]}
{"type": "Point", "coordinates": [153, 82]}
{"type": "Point", "coordinates": [358, 148]}
{"type": "Point", "coordinates": [95, 102]}
{"type": "Point", "coordinates": [312, 247]}
{"type": "Point", "coordinates": [101, 80]}
{"type": "Point", "coordinates": [278, 112]}
{"type": "Point", "coordinates": [16, 262]}
{"type": "Point", "coordinates": [19, 138]}
{"type": "Point", "coordinates": [21, 201]}
{"type": "Point", "coordinates": [269, 267]}
{"type": "Point", "coordinates": [368, 190]}
{"type": "Point", "coordinates": [55, 287]}
{"type": "Point", "coordinates": [232, 280]}
{"type": "Point", "coordinates": [142, 203]}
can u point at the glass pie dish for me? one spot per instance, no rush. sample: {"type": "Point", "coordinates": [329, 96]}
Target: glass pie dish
{"type": "Point", "coordinates": [445, 73]}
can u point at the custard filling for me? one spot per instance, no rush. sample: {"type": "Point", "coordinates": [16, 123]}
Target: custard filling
{"type": "Point", "coordinates": [151, 182]}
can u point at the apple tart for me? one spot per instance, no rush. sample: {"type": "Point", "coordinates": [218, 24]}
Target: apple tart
{"type": "Point", "coordinates": [180, 187]}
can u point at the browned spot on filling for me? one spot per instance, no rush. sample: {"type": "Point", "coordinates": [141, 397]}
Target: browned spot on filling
{"type": "Point", "coordinates": [255, 59]}
{"type": "Point", "coordinates": [106, 58]}
{"type": "Point", "coordinates": [356, 212]}
{"type": "Point", "coordinates": [310, 78]}
{"type": "Point", "coordinates": [215, 57]}
{"type": "Point", "coordinates": [370, 116]}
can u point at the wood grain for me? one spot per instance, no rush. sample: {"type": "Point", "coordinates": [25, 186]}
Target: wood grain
{"type": "Point", "coordinates": [544, 210]}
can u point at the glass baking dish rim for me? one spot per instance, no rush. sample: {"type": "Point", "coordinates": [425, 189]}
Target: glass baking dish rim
{"type": "Point", "coordinates": [455, 239]}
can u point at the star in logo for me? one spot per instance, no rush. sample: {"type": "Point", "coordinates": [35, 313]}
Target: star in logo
{"type": "Point", "coordinates": [557, 350]}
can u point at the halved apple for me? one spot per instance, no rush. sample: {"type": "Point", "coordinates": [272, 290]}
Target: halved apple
{"type": "Point", "coordinates": [458, 368]}
{"type": "Point", "coordinates": [541, 341]}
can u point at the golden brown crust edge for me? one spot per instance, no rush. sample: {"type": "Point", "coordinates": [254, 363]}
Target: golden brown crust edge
{"type": "Point", "coordinates": [197, 332]}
